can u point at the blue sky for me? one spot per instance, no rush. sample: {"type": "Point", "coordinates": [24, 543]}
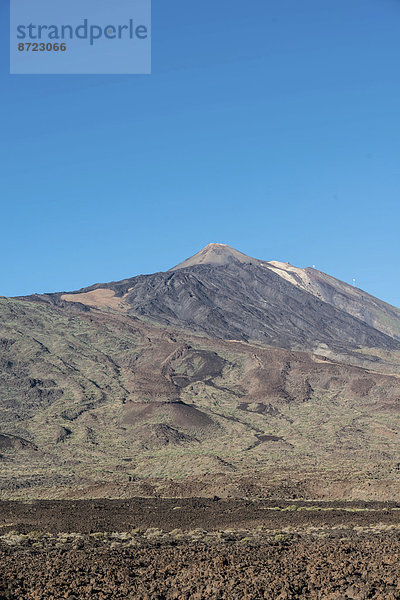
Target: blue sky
{"type": "Point", "coordinates": [270, 125]}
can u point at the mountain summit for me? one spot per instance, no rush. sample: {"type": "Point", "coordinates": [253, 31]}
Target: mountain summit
{"type": "Point", "coordinates": [215, 254]}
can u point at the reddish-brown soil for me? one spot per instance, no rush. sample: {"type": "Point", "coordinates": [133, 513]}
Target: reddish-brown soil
{"type": "Point", "coordinates": [305, 569]}
{"type": "Point", "coordinates": [195, 549]}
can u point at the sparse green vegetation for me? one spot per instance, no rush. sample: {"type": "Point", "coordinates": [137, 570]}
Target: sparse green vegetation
{"type": "Point", "coordinates": [89, 390]}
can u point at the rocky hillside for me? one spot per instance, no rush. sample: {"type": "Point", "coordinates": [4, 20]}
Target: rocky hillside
{"type": "Point", "coordinates": [226, 375]}
{"type": "Point", "coordinates": [224, 294]}
{"type": "Point", "coordinates": [97, 402]}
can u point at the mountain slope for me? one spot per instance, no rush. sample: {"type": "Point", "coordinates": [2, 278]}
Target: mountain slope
{"type": "Point", "coordinates": [95, 402]}
{"type": "Point", "coordinates": [226, 375]}
{"type": "Point", "coordinates": [356, 302]}
{"type": "Point", "coordinates": [224, 294]}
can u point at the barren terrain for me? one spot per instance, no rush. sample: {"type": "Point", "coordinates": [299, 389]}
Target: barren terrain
{"type": "Point", "coordinates": [196, 548]}
{"type": "Point", "coordinates": [96, 403]}
{"type": "Point", "coordinates": [227, 429]}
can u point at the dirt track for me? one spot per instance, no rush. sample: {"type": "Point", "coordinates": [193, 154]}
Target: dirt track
{"type": "Point", "coordinates": [151, 549]}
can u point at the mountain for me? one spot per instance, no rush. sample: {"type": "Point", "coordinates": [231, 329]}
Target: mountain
{"type": "Point", "coordinates": [225, 375]}
{"type": "Point", "coordinates": [216, 254]}
{"type": "Point", "coordinates": [224, 294]}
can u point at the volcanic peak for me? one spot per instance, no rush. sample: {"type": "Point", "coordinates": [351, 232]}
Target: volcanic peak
{"type": "Point", "coordinates": [215, 254]}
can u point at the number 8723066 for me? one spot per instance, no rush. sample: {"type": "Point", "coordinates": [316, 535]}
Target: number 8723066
{"type": "Point", "coordinates": [41, 47]}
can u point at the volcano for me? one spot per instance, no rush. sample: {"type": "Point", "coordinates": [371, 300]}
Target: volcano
{"type": "Point", "coordinates": [225, 294]}
{"type": "Point", "coordinates": [226, 375]}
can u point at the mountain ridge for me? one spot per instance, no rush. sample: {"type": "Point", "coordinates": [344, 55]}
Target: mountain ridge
{"type": "Point", "coordinates": [226, 375]}
{"type": "Point", "coordinates": [224, 293]}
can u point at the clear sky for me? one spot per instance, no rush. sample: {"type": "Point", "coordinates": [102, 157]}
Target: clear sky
{"type": "Point", "coordinates": [269, 125]}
